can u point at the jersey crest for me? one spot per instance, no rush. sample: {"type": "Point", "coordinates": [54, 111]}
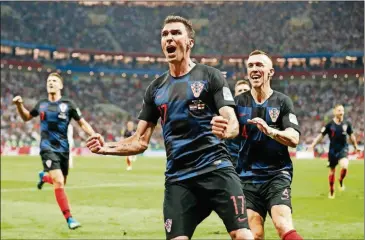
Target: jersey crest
{"type": "Point", "coordinates": [197, 88]}
{"type": "Point", "coordinates": [274, 114]}
{"type": "Point", "coordinates": [63, 108]}
{"type": "Point", "coordinates": [344, 127]}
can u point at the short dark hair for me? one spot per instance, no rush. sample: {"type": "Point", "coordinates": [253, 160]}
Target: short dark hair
{"type": "Point", "coordinates": [187, 23]}
{"type": "Point", "coordinates": [241, 82]}
{"type": "Point", "coordinates": [56, 75]}
{"type": "Point", "coordinates": [259, 52]}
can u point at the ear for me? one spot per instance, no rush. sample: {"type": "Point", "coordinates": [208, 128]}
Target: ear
{"type": "Point", "coordinates": [190, 43]}
{"type": "Point", "coordinates": [272, 72]}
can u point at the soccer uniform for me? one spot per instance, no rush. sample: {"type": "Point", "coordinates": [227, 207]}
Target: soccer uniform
{"type": "Point", "coordinates": [199, 174]}
{"type": "Point", "coordinates": [264, 164]}
{"type": "Point", "coordinates": [337, 134]}
{"type": "Point", "coordinates": [54, 120]}
{"type": "Point", "coordinates": [233, 146]}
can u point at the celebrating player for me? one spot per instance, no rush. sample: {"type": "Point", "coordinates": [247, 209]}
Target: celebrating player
{"type": "Point", "coordinates": [268, 126]}
{"type": "Point", "coordinates": [199, 174]}
{"type": "Point", "coordinates": [241, 87]}
{"type": "Point", "coordinates": [127, 133]}
{"type": "Point", "coordinates": [337, 131]}
{"type": "Point", "coordinates": [55, 114]}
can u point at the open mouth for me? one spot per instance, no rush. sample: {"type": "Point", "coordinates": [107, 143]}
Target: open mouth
{"type": "Point", "coordinates": [170, 49]}
{"type": "Point", "coordinates": [255, 77]}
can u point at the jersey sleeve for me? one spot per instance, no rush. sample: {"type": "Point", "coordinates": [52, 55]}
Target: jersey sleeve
{"type": "Point", "coordinates": [325, 130]}
{"type": "Point", "coordinates": [349, 129]}
{"type": "Point", "coordinates": [220, 90]}
{"type": "Point", "coordinates": [35, 111]}
{"type": "Point", "coordinates": [75, 112]}
{"type": "Point", "coordinates": [289, 117]}
{"type": "Point", "coordinates": [149, 111]}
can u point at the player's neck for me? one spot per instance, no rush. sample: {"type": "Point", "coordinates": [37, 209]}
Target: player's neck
{"type": "Point", "coordinates": [338, 120]}
{"type": "Point", "coordinates": [261, 94]}
{"type": "Point", "coordinates": [182, 68]}
{"type": "Point", "coordinates": [54, 97]}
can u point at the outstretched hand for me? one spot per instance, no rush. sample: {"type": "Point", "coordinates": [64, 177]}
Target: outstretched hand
{"type": "Point", "coordinates": [261, 125]}
{"type": "Point", "coordinates": [95, 143]}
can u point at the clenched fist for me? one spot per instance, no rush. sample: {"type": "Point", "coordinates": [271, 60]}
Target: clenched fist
{"type": "Point", "coordinates": [17, 100]}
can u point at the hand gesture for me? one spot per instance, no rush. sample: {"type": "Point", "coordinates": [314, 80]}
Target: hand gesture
{"type": "Point", "coordinates": [95, 143]}
{"type": "Point", "coordinates": [219, 126]}
{"type": "Point", "coordinates": [261, 125]}
{"type": "Point", "coordinates": [17, 100]}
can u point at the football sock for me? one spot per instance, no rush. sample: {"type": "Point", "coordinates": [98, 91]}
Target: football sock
{"type": "Point", "coordinates": [129, 163]}
{"type": "Point", "coordinates": [47, 179]}
{"type": "Point", "coordinates": [62, 202]}
{"type": "Point", "coordinates": [331, 179]}
{"type": "Point", "coordinates": [292, 235]}
{"type": "Point", "coordinates": [343, 175]}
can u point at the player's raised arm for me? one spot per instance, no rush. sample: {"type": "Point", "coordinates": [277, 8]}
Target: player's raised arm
{"type": "Point", "coordinates": [23, 112]}
{"type": "Point", "coordinates": [135, 144]}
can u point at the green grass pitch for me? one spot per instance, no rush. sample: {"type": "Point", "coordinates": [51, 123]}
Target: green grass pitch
{"type": "Point", "coordinates": [112, 203]}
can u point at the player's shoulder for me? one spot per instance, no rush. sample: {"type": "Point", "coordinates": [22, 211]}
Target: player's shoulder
{"type": "Point", "coordinates": [205, 69]}
{"type": "Point", "coordinates": [281, 96]}
{"type": "Point", "coordinates": [66, 100]}
{"type": "Point", "coordinates": [42, 100]}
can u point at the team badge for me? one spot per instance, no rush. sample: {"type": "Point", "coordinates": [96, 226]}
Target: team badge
{"type": "Point", "coordinates": [63, 107]}
{"type": "Point", "coordinates": [168, 225]}
{"type": "Point", "coordinates": [274, 114]}
{"type": "Point", "coordinates": [49, 163]}
{"type": "Point", "coordinates": [197, 88]}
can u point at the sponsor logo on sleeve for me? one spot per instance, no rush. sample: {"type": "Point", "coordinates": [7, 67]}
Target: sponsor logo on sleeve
{"type": "Point", "coordinates": [293, 119]}
{"type": "Point", "coordinates": [227, 95]}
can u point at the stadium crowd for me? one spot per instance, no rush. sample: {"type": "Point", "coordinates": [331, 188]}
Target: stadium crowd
{"type": "Point", "coordinates": [313, 101]}
{"type": "Point", "coordinates": [229, 28]}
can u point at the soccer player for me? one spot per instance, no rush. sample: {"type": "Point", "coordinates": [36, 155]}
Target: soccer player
{"type": "Point", "coordinates": [268, 125]}
{"type": "Point", "coordinates": [241, 87]}
{"type": "Point", "coordinates": [55, 114]}
{"type": "Point", "coordinates": [233, 145]}
{"type": "Point", "coordinates": [127, 133]}
{"type": "Point", "coordinates": [337, 131]}
{"type": "Point", "coordinates": [199, 174]}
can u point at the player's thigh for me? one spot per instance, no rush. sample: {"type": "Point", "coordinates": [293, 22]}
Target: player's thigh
{"type": "Point", "coordinates": [332, 160]}
{"type": "Point", "coordinates": [278, 195]}
{"type": "Point", "coordinates": [254, 199]}
{"type": "Point", "coordinates": [65, 162]}
{"type": "Point", "coordinates": [181, 210]}
{"type": "Point", "coordinates": [344, 162]}
{"type": "Point", "coordinates": [224, 191]}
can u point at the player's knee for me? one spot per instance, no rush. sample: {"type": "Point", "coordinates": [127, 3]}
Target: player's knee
{"type": "Point", "coordinates": [282, 219]}
{"type": "Point", "coordinates": [344, 163]}
{"type": "Point", "coordinates": [241, 234]}
{"type": "Point", "coordinates": [58, 181]}
{"type": "Point", "coordinates": [180, 238]}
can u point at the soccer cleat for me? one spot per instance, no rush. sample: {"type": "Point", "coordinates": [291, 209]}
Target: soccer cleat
{"type": "Point", "coordinates": [129, 168]}
{"type": "Point", "coordinates": [342, 187]}
{"type": "Point", "coordinates": [72, 223]}
{"type": "Point", "coordinates": [331, 196]}
{"type": "Point", "coordinates": [40, 183]}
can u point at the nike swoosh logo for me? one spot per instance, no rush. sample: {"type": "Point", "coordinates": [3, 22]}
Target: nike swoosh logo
{"type": "Point", "coordinates": [242, 219]}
